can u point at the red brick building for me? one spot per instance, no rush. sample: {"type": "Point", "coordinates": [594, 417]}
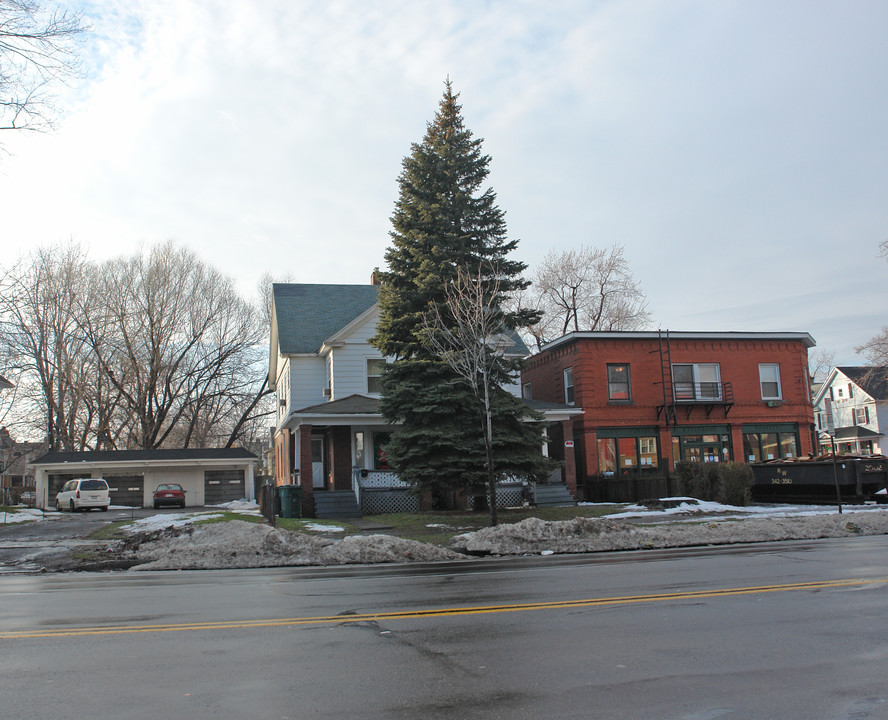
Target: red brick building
{"type": "Point", "coordinates": [651, 399]}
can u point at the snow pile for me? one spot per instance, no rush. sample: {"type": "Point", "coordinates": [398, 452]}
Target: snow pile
{"type": "Point", "coordinates": [239, 544]}
{"type": "Point", "coordinates": [535, 536]}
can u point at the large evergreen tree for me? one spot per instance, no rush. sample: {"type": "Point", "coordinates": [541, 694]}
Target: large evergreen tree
{"type": "Point", "coordinates": [444, 224]}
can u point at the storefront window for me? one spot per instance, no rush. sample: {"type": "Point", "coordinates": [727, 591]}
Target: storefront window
{"type": "Point", "coordinates": [787, 445]}
{"type": "Point", "coordinates": [770, 448]}
{"type": "Point", "coordinates": [647, 449]}
{"type": "Point", "coordinates": [628, 453]}
{"type": "Point", "coordinates": [751, 450]}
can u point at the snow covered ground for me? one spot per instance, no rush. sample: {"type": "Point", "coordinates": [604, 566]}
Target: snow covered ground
{"type": "Point", "coordinates": [181, 541]}
{"type": "Point", "coordinates": [688, 523]}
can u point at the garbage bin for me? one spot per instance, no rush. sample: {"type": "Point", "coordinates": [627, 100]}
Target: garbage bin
{"type": "Point", "coordinates": [291, 501]}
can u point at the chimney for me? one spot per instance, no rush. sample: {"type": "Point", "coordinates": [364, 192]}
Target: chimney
{"type": "Point", "coordinates": [376, 277]}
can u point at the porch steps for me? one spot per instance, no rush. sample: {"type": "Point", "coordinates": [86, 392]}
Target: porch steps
{"type": "Point", "coordinates": [336, 504]}
{"type": "Point", "coordinates": [554, 495]}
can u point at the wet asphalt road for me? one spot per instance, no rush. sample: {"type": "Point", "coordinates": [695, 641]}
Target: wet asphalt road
{"type": "Point", "coordinates": [792, 630]}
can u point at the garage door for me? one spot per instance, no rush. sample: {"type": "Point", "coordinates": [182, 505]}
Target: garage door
{"type": "Point", "coordinates": [126, 490]}
{"type": "Point", "coordinates": [221, 486]}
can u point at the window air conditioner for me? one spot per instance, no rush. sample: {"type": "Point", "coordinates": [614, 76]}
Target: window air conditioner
{"type": "Point", "coordinates": [326, 392]}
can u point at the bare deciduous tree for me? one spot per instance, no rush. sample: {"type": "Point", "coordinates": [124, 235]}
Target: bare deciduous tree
{"type": "Point", "coordinates": [37, 50]}
{"type": "Point", "coordinates": [468, 334]}
{"type": "Point", "coordinates": [142, 352]}
{"type": "Point", "coordinates": [584, 289]}
{"type": "Point", "coordinates": [820, 363]}
{"type": "Point", "coordinates": [39, 309]}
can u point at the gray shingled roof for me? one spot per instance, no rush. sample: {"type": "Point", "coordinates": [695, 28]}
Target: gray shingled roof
{"type": "Point", "coordinates": [309, 314]}
{"type": "Point", "coordinates": [351, 405]}
{"type": "Point", "coordinates": [107, 456]}
{"type": "Point", "coordinates": [872, 380]}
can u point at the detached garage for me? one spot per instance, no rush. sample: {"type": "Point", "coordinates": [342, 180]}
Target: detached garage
{"type": "Point", "coordinates": [209, 476]}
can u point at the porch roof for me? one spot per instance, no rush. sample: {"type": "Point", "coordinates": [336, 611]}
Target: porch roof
{"type": "Point", "coordinates": [350, 410]}
{"type": "Point", "coordinates": [856, 433]}
{"type": "Point", "coordinates": [360, 409]}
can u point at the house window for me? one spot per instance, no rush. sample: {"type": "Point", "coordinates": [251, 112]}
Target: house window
{"type": "Point", "coordinates": [841, 392]}
{"type": "Point", "coordinates": [861, 415]}
{"type": "Point", "coordinates": [769, 378]}
{"type": "Point", "coordinates": [375, 368]}
{"type": "Point", "coordinates": [569, 385]}
{"type": "Point", "coordinates": [527, 391]}
{"type": "Point", "coordinates": [696, 381]}
{"type": "Point", "coordinates": [380, 459]}
{"type": "Point", "coordinates": [618, 388]}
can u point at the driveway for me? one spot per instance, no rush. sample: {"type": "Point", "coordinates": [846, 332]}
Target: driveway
{"type": "Point", "coordinates": [21, 544]}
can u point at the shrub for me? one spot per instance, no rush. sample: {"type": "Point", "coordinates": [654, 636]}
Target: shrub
{"type": "Point", "coordinates": [735, 484]}
{"type": "Point", "coordinates": [687, 474]}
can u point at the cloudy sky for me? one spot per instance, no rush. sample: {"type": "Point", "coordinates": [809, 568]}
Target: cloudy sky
{"type": "Point", "coordinates": [737, 150]}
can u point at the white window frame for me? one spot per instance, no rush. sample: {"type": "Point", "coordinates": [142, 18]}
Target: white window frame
{"type": "Point", "coordinates": [762, 380]}
{"type": "Point", "coordinates": [863, 418]}
{"type": "Point", "coordinates": [367, 375]}
{"type": "Point", "coordinates": [569, 394]}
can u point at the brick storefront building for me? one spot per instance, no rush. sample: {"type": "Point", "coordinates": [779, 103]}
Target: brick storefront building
{"type": "Point", "coordinates": [651, 399]}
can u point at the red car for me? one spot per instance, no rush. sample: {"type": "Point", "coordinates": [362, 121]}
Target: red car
{"type": "Point", "coordinates": [169, 494]}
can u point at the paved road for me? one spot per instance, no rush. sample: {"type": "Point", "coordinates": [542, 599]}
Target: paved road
{"type": "Point", "coordinates": [791, 630]}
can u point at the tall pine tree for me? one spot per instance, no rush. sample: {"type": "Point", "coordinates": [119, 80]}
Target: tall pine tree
{"type": "Point", "coordinates": [443, 223]}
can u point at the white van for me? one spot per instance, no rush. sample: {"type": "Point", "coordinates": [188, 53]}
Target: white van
{"type": "Point", "coordinates": [84, 493]}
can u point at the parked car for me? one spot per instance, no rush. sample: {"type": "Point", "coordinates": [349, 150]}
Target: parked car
{"type": "Point", "coordinates": [881, 497]}
{"type": "Point", "coordinates": [169, 494]}
{"type": "Point", "coordinates": [82, 494]}
{"type": "Point", "coordinates": [28, 497]}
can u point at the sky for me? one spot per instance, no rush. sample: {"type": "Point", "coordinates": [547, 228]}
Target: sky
{"type": "Point", "coordinates": [736, 150]}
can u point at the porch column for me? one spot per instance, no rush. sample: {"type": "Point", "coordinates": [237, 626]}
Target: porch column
{"type": "Point", "coordinates": [570, 457]}
{"type": "Point", "coordinates": [305, 476]}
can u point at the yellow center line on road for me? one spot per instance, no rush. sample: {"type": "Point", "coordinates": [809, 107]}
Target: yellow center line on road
{"type": "Point", "coordinates": [436, 612]}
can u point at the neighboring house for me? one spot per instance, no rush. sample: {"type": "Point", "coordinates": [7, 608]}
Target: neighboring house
{"type": "Point", "coordinates": [329, 430]}
{"type": "Point", "coordinates": [859, 402]}
{"type": "Point", "coordinates": [209, 476]}
{"type": "Point", "coordinates": [17, 473]}
{"type": "Point", "coordinates": [652, 399]}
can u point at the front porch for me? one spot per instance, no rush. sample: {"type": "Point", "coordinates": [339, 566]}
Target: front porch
{"type": "Point", "coordinates": [335, 452]}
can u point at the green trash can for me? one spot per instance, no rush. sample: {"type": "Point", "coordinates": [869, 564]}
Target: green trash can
{"type": "Point", "coordinates": [297, 501]}
{"type": "Point", "coordinates": [291, 501]}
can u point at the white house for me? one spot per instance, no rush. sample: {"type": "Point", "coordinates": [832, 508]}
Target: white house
{"type": "Point", "coordinates": [327, 379]}
{"type": "Point", "coordinates": [859, 400]}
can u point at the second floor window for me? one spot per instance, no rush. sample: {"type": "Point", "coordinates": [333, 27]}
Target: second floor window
{"type": "Point", "coordinates": [769, 377]}
{"type": "Point", "coordinates": [699, 381]}
{"type": "Point", "coordinates": [569, 386]}
{"type": "Point", "coordinates": [618, 387]}
{"type": "Point", "coordinates": [527, 391]}
{"type": "Point", "coordinates": [375, 368]}
{"type": "Point", "coordinates": [861, 415]}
